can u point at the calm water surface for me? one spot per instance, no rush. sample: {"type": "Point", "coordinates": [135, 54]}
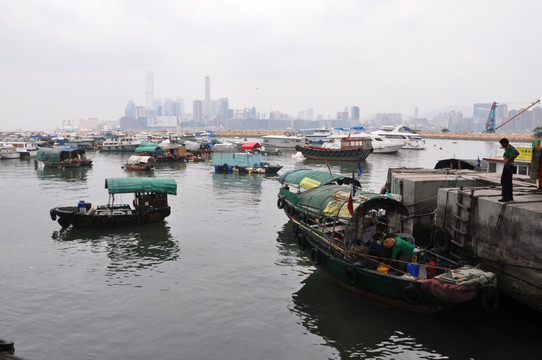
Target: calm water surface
{"type": "Point", "coordinates": [221, 278]}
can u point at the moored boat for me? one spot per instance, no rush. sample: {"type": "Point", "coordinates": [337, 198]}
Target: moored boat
{"type": "Point", "coordinates": [62, 157]}
{"type": "Point", "coordinates": [342, 234]}
{"type": "Point", "coordinates": [139, 163]}
{"type": "Point", "coordinates": [282, 141]}
{"type": "Point", "coordinates": [412, 138]}
{"type": "Point", "coordinates": [150, 204]}
{"type": "Point", "coordinates": [8, 151]}
{"type": "Point", "coordinates": [345, 149]}
{"type": "Point", "coordinates": [123, 143]}
{"type": "Point", "coordinates": [249, 161]}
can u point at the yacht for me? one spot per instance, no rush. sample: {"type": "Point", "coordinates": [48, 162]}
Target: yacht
{"type": "Point", "coordinates": [381, 144]}
{"type": "Point", "coordinates": [282, 141]}
{"type": "Point", "coordinates": [412, 138]}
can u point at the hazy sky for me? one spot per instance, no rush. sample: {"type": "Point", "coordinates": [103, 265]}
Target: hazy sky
{"type": "Point", "coordinates": [80, 59]}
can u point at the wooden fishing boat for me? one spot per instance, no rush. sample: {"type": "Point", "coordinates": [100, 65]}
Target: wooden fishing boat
{"type": "Point", "coordinates": [249, 161]}
{"type": "Point", "coordinates": [338, 232]}
{"type": "Point", "coordinates": [65, 157]}
{"type": "Point", "coordinates": [346, 149]}
{"type": "Point", "coordinates": [150, 204]}
{"type": "Point", "coordinates": [139, 163]}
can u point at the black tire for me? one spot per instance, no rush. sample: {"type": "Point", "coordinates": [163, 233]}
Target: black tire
{"type": "Point", "coordinates": [289, 209]}
{"type": "Point", "coordinates": [280, 202]}
{"type": "Point", "coordinates": [225, 167]}
{"type": "Point", "coordinates": [301, 241]}
{"type": "Point", "coordinates": [490, 299]}
{"type": "Point", "coordinates": [351, 276]}
{"type": "Point", "coordinates": [412, 294]}
{"type": "Point", "coordinates": [7, 346]}
{"type": "Point", "coordinates": [442, 240]}
{"type": "Point", "coordinates": [296, 229]}
{"type": "Point", "coordinates": [315, 256]}
{"type": "Point", "coordinates": [52, 214]}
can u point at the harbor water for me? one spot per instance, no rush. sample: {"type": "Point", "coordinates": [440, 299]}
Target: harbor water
{"type": "Point", "coordinates": [220, 278]}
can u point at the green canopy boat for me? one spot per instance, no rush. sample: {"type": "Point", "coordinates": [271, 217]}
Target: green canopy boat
{"type": "Point", "coordinates": [149, 205]}
{"type": "Point", "coordinates": [347, 233]}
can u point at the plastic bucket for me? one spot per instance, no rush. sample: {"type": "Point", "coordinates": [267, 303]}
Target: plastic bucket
{"type": "Point", "coordinates": [413, 269]}
{"type": "Point", "coordinates": [81, 207]}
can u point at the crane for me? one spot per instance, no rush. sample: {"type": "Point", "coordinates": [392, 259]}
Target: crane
{"type": "Point", "coordinates": [490, 123]}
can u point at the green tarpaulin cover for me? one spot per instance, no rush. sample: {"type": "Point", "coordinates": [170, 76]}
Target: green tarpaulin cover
{"type": "Point", "coordinates": [133, 185]}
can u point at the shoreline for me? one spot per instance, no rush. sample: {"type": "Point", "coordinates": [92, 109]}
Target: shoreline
{"type": "Point", "coordinates": [528, 138]}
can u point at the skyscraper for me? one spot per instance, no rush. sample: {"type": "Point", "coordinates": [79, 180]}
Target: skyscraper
{"type": "Point", "coordinates": [207, 105]}
{"type": "Point", "coordinates": [149, 93]}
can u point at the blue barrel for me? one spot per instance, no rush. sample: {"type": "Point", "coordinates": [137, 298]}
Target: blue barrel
{"type": "Point", "coordinates": [81, 206]}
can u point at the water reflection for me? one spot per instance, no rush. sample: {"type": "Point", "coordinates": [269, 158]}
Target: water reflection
{"type": "Point", "coordinates": [248, 183]}
{"type": "Point", "coordinates": [67, 174]}
{"type": "Point", "coordinates": [129, 249]}
{"type": "Point", "coordinates": [289, 252]}
{"type": "Point", "coordinates": [355, 327]}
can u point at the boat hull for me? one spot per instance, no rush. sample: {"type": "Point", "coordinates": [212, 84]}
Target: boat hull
{"type": "Point", "coordinates": [247, 169]}
{"type": "Point", "coordinates": [105, 216]}
{"type": "Point", "coordinates": [353, 155]}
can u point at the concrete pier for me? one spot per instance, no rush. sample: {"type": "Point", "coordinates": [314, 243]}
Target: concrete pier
{"type": "Point", "coordinates": [458, 213]}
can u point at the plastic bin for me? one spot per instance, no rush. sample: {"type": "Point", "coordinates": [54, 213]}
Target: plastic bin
{"type": "Point", "coordinates": [82, 206]}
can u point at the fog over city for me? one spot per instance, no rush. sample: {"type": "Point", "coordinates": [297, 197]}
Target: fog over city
{"type": "Point", "coordinates": [85, 59]}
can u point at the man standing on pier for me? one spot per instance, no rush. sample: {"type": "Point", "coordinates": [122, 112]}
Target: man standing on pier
{"type": "Point", "coordinates": [510, 153]}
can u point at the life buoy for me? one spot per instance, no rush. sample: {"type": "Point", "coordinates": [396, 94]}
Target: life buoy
{"type": "Point", "coordinates": [53, 215]}
{"type": "Point", "coordinates": [315, 256]}
{"type": "Point", "coordinates": [442, 240]}
{"type": "Point", "coordinates": [351, 275]}
{"type": "Point", "coordinates": [490, 299]}
{"type": "Point", "coordinates": [225, 167]}
{"type": "Point", "coordinates": [280, 202]}
{"type": "Point", "coordinates": [412, 294]}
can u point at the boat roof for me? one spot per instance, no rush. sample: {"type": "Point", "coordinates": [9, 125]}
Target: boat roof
{"type": "Point", "coordinates": [136, 184]}
{"type": "Point", "coordinates": [332, 200]}
{"type": "Point", "coordinates": [311, 178]}
{"type": "Point", "coordinates": [463, 164]}
{"type": "Point", "coordinates": [250, 146]}
{"type": "Point", "coordinates": [136, 159]}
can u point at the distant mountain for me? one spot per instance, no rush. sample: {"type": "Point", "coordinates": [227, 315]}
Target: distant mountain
{"type": "Point", "coordinates": [467, 111]}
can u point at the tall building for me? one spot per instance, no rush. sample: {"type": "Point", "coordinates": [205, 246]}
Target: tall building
{"type": "Point", "coordinates": [354, 113]}
{"type": "Point", "coordinates": [149, 93]}
{"type": "Point", "coordinates": [130, 109]}
{"type": "Point", "coordinates": [207, 112]}
{"type": "Point", "coordinates": [197, 111]}
{"type": "Point", "coordinates": [223, 110]}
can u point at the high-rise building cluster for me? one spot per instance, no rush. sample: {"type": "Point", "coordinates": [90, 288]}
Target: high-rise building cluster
{"type": "Point", "coordinates": [159, 114]}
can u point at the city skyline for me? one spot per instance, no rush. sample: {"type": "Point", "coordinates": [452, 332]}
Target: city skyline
{"type": "Point", "coordinates": [78, 60]}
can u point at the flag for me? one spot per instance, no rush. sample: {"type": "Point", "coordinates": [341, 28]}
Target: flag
{"type": "Point", "coordinates": [479, 163]}
{"type": "Point", "coordinates": [350, 205]}
{"type": "Point", "coordinates": [360, 171]}
{"type": "Point", "coordinates": [353, 185]}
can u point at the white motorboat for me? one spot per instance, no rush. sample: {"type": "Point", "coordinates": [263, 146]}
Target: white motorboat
{"type": "Point", "coordinates": [381, 145]}
{"type": "Point", "coordinates": [282, 141]}
{"type": "Point", "coordinates": [25, 149]}
{"type": "Point", "coordinates": [412, 138]}
{"type": "Point", "coordinates": [121, 143]}
{"type": "Point", "coordinates": [7, 151]}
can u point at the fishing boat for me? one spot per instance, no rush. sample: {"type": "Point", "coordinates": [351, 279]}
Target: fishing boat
{"type": "Point", "coordinates": [139, 163]}
{"type": "Point", "coordinates": [25, 149]}
{"type": "Point", "coordinates": [124, 143]}
{"type": "Point", "coordinates": [345, 149]}
{"type": "Point", "coordinates": [343, 235]}
{"type": "Point", "coordinates": [65, 157]}
{"type": "Point", "coordinates": [248, 161]}
{"type": "Point", "coordinates": [150, 204]}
